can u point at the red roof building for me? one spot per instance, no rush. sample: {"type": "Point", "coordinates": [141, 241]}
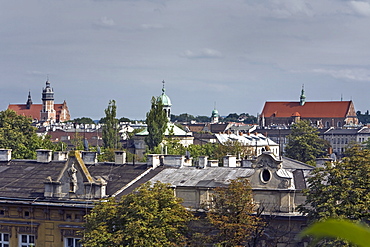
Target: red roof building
{"type": "Point", "coordinates": [322, 114]}
{"type": "Point", "coordinates": [45, 112]}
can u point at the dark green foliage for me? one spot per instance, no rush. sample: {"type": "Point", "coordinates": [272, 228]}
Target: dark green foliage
{"type": "Point", "coordinates": [110, 130]}
{"type": "Point", "coordinates": [202, 119]}
{"type": "Point", "coordinates": [150, 216]}
{"type": "Point", "coordinates": [156, 121]}
{"type": "Point", "coordinates": [16, 133]}
{"type": "Point", "coordinates": [243, 117]}
{"type": "Point", "coordinates": [124, 119]}
{"type": "Point", "coordinates": [83, 120]}
{"type": "Point", "coordinates": [184, 117]}
{"type": "Point", "coordinates": [363, 118]}
{"type": "Point", "coordinates": [340, 190]}
{"type": "Point", "coordinates": [304, 143]}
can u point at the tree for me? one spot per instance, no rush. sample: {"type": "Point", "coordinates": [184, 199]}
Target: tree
{"type": "Point", "coordinates": [304, 143]}
{"type": "Point", "coordinates": [16, 133]}
{"type": "Point", "coordinates": [156, 121]}
{"type": "Point", "coordinates": [110, 131]}
{"type": "Point", "coordinates": [340, 190]}
{"type": "Point", "coordinates": [233, 148]}
{"type": "Point", "coordinates": [231, 214]}
{"type": "Point", "coordinates": [124, 119]}
{"type": "Point", "coordinates": [83, 120]}
{"type": "Point", "coordinates": [202, 119]}
{"type": "Point", "coordinates": [150, 216]}
{"type": "Point", "coordinates": [232, 117]}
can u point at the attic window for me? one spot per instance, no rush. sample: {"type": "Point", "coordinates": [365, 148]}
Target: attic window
{"type": "Point", "coordinates": [265, 175]}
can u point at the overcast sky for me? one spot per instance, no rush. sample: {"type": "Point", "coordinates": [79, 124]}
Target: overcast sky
{"type": "Point", "coordinates": [235, 54]}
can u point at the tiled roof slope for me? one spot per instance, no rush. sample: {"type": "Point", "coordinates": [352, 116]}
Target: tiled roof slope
{"type": "Point", "coordinates": [34, 111]}
{"type": "Point", "coordinates": [25, 178]}
{"type": "Point", "coordinates": [323, 109]}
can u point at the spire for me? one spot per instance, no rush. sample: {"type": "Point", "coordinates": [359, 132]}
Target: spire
{"type": "Point", "coordinates": [163, 89]}
{"type": "Point", "coordinates": [302, 100]}
{"type": "Point", "coordinates": [29, 100]}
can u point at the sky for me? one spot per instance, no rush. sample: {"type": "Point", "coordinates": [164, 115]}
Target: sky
{"type": "Point", "coordinates": [232, 55]}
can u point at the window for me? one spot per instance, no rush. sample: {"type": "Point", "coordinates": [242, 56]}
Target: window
{"type": "Point", "coordinates": [265, 175]}
{"type": "Point", "coordinates": [4, 239]}
{"type": "Point", "coordinates": [72, 242]}
{"type": "Point", "coordinates": [26, 240]}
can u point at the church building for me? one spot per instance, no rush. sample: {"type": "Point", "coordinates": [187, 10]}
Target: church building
{"type": "Point", "coordinates": [323, 114]}
{"type": "Point", "coordinates": [47, 111]}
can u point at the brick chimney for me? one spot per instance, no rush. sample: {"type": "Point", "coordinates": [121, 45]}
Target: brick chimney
{"type": "Point", "coordinates": [5, 154]}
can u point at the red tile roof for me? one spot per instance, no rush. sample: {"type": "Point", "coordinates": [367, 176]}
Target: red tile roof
{"type": "Point", "coordinates": [34, 111]}
{"type": "Point", "coordinates": [323, 109]}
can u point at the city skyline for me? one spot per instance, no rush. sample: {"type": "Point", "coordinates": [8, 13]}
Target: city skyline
{"type": "Point", "coordinates": [238, 54]}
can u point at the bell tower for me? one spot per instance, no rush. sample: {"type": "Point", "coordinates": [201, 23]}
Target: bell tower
{"type": "Point", "coordinates": [47, 112]}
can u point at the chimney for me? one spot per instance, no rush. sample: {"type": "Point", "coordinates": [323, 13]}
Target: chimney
{"type": "Point", "coordinates": [89, 158]}
{"type": "Point", "coordinates": [60, 155]}
{"type": "Point", "coordinates": [44, 155]}
{"type": "Point", "coordinates": [203, 161]}
{"type": "Point", "coordinates": [119, 157]}
{"type": "Point", "coordinates": [229, 161]}
{"type": "Point", "coordinates": [5, 154]}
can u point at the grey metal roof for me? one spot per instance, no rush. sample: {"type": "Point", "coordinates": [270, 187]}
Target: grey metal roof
{"type": "Point", "coordinates": [117, 176]}
{"type": "Point", "coordinates": [289, 163]}
{"type": "Point", "coordinates": [207, 177]}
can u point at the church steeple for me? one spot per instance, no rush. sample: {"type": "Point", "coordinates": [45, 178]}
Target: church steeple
{"type": "Point", "coordinates": [166, 102]}
{"type": "Point", "coordinates": [302, 99]}
{"type": "Point", "coordinates": [29, 100]}
{"type": "Point", "coordinates": [48, 111]}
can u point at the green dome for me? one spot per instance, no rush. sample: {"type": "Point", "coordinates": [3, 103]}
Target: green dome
{"type": "Point", "coordinates": [214, 113]}
{"type": "Point", "coordinates": [164, 99]}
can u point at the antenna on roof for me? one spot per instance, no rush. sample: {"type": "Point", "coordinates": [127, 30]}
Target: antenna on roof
{"type": "Point", "coordinates": [341, 97]}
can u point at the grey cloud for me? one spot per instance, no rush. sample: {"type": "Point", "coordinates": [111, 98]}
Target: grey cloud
{"type": "Point", "coordinates": [361, 7]}
{"type": "Point", "coordinates": [105, 22]}
{"type": "Point", "coordinates": [204, 53]}
{"type": "Point", "coordinates": [348, 74]}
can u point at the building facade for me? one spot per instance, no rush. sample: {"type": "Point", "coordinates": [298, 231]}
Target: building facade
{"type": "Point", "coordinates": [47, 112]}
{"type": "Point", "coordinates": [322, 114]}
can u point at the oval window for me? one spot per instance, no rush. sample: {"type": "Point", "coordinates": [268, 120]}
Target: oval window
{"type": "Point", "coordinates": [266, 176]}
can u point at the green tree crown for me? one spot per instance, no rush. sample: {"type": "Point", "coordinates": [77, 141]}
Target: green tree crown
{"type": "Point", "coordinates": [150, 216]}
{"type": "Point", "coordinates": [156, 121]}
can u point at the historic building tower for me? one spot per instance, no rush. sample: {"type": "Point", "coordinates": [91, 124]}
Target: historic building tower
{"type": "Point", "coordinates": [48, 111]}
{"type": "Point", "coordinates": [166, 102]}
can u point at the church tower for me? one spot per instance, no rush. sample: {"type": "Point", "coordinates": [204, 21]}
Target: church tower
{"type": "Point", "coordinates": [214, 116]}
{"type": "Point", "coordinates": [166, 102]}
{"type": "Point", "coordinates": [302, 99]}
{"type": "Point", "coordinates": [48, 112]}
{"type": "Point", "coordinates": [29, 101]}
